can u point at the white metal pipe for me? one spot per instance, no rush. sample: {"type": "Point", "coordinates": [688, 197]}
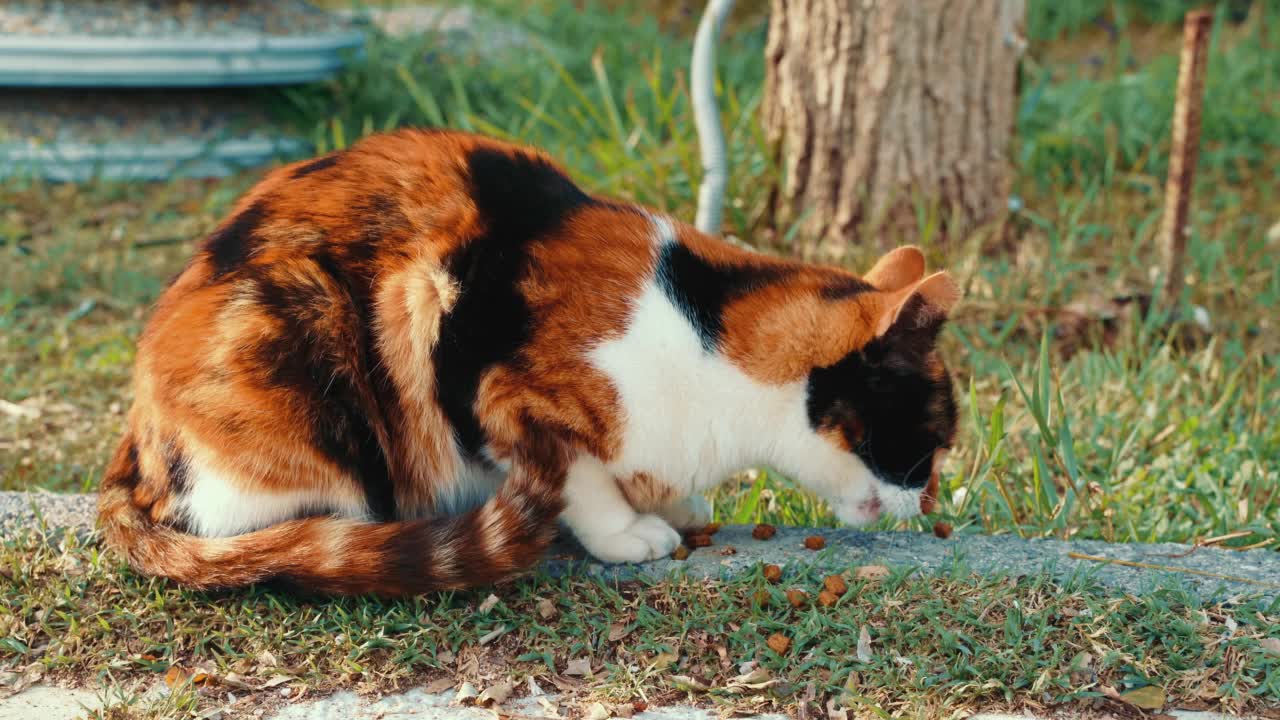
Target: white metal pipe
{"type": "Point", "coordinates": [706, 116]}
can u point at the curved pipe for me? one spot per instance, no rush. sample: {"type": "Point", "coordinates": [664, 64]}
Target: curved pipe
{"type": "Point", "coordinates": [706, 116]}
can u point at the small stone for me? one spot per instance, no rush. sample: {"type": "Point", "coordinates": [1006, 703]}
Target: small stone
{"type": "Point", "coordinates": [681, 553]}
{"type": "Point", "coordinates": [835, 584]}
{"type": "Point", "coordinates": [772, 573]}
{"type": "Point", "coordinates": [942, 529]}
{"type": "Point", "coordinates": [826, 598]}
{"type": "Point", "coordinates": [764, 532]}
{"type": "Point", "coordinates": [815, 542]}
{"type": "Point", "coordinates": [797, 598]}
{"type": "Point", "coordinates": [779, 643]}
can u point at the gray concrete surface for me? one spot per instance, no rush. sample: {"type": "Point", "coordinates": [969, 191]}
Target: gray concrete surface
{"type": "Point", "coordinates": [1198, 569]}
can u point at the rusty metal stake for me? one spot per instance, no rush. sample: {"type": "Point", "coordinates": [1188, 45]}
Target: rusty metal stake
{"type": "Point", "coordinates": [1183, 153]}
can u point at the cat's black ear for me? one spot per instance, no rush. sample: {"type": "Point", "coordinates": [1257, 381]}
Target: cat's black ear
{"type": "Point", "coordinates": [923, 304]}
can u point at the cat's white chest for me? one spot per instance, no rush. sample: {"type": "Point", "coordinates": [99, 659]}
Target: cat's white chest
{"type": "Point", "coordinates": [690, 418]}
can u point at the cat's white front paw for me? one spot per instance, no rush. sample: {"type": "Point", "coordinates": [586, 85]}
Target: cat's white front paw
{"type": "Point", "coordinates": [648, 537]}
{"type": "Point", "coordinates": [687, 513]}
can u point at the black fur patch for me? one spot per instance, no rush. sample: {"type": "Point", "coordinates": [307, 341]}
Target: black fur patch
{"type": "Point", "coordinates": [701, 290]}
{"type": "Point", "coordinates": [891, 411]}
{"type": "Point", "coordinates": [320, 370]}
{"type": "Point", "coordinates": [520, 198]}
{"type": "Point", "coordinates": [230, 246]}
{"type": "Point", "coordinates": [846, 288]}
{"type": "Point", "coordinates": [320, 163]}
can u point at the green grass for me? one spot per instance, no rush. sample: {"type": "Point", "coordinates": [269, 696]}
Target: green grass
{"type": "Point", "coordinates": [950, 640]}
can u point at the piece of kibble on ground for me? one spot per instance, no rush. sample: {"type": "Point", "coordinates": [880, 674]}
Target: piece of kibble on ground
{"type": "Point", "coordinates": [699, 541]}
{"type": "Point", "coordinates": [779, 643]}
{"type": "Point", "coordinates": [942, 529]}
{"type": "Point", "coordinates": [764, 532]}
{"type": "Point", "coordinates": [826, 598]}
{"type": "Point", "coordinates": [728, 550]}
{"type": "Point", "coordinates": [797, 598]}
{"type": "Point", "coordinates": [815, 542]}
{"type": "Point", "coordinates": [762, 598]}
{"type": "Point", "coordinates": [835, 584]}
{"type": "Point", "coordinates": [681, 553]}
{"type": "Point", "coordinates": [772, 573]}
{"type": "Point", "coordinates": [710, 529]}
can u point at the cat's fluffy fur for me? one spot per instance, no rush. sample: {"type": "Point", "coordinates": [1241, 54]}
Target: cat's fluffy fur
{"type": "Point", "coordinates": [392, 369]}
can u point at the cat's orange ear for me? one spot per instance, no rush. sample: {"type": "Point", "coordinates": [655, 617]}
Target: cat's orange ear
{"type": "Point", "coordinates": [897, 269]}
{"type": "Point", "coordinates": [940, 294]}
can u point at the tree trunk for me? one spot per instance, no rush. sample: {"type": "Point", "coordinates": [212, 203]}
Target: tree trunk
{"type": "Point", "coordinates": [881, 109]}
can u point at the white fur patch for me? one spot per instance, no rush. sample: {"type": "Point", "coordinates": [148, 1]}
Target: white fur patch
{"type": "Point", "coordinates": [216, 507]}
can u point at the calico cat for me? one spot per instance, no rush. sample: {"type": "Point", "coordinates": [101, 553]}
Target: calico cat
{"type": "Point", "coordinates": [398, 367]}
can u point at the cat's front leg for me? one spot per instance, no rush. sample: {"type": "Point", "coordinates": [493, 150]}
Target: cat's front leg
{"type": "Point", "coordinates": [606, 524]}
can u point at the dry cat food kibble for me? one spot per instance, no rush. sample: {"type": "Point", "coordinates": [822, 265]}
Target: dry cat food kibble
{"type": "Point", "coordinates": [942, 529]}
{"type": "Point", "coordinates": [835, 584]}
{"type": "Point", "coordinates": [797, 598]}
{"type": "Point", "coordinates": [779, 643]}
{"type": "Point", "coordinates": [681, 553]}
{"type": "Point", "coordinates": [772, 573]}
{"type": "Point", "coordinates": [815, 542]}
{"type": "Point", "coordinates": [710, 529]}
{"type": "Point", "coordinates": [764, 532]}
{"type": "Point", "coordinates": [698, 541]}
{"type": "Point", "coordinates": [826, 598]}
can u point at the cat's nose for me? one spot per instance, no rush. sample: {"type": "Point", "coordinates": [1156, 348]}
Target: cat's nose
{"type": "Point", "coordinates": [929, 496]}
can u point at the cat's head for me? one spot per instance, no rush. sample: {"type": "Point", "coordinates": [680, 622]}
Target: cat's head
{"type": "Point", "coordinates": [888, 404]}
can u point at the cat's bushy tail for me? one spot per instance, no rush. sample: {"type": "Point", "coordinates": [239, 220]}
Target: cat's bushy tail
{"type": "Point", "coordinates": [334, 555]}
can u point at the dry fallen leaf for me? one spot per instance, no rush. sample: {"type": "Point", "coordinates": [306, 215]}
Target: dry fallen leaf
{"type": "Point", "coordinates": [597, 711]}
{"type": "Point", "coordinates": [535, 690]}
{"type": "Point", "coordinates": [438, 686]}
{"type": "Point", "coordinates": [871, 572]}
{"type": "Point", "coordinates": [778, 643]}
{"type": "Point", "coordinates": [276, 680]}
{"type": "Point", "coordinates": [580, 667]}
{"type": "Point", "coordinates": [815, 542]}
{"type": "Point", "coordinates": [754, 681]}
{"type": "Point", "coordinates": [864, 645]}
{"type": "Point", "coordinates": [665, 660]}
{"type": "Point", "coordinates": [835, 584]}
{"type": "Point", "coordinates": [175, 677]}
{"type": "Point", "coordinates": [1150, 697]}
{"type": "Point", "coordinates": [772, 573]}
{"type": "Point", "coordinates": [764, 531]}
{"type": "Point", "coordinates": [797, 598]}
{"type": "Point", "coordinates": [466, 694]}
{"type": "Point", "coordinates": [488, 604]}
{"type": "Point", "coordinates": [687, 682]}
{"type": "Point", "coordinates": [547, 609]}
{"type": "Point", "coordinates": [495, 694]}
{"type": "Point", "coordinates": [1271, 645]}
{"type": "Point", "coordinates": [618, 631]}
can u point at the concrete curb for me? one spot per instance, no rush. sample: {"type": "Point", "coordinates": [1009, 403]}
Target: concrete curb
{"type": "Point", "coordinates": [1210, 573]}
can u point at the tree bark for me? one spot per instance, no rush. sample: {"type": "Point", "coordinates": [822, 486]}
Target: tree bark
{"type": "Point", "coordinates": [880, 109]}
